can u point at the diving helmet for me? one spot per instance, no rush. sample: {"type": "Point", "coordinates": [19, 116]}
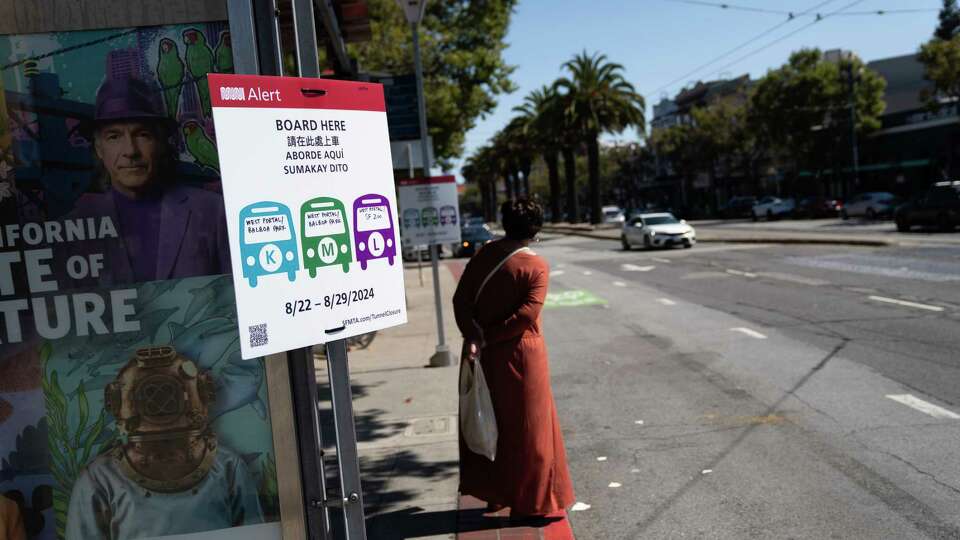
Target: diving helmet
{"type": "Point", "coordinates": [161, 404]}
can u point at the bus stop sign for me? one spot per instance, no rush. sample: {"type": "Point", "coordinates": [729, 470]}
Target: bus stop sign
{"type": "Point", "coordinates": [311, 213]}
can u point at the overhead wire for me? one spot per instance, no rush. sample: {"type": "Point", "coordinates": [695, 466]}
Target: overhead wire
{"type": "Point", "coordinates": [786, 36]}
{"type": "Point", "coordinates": [741, 46]}
{"type": "Point", "coordinates": [753, 9]}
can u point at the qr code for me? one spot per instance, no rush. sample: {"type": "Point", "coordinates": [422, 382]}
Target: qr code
{"type": "Point", "coordinates": [258, 335]}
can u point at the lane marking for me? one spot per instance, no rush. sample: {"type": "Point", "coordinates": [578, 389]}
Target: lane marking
{"type": "Point", "coordinates": [639, 422]}
{"type": "Point", "coordinates": [749, 332]}
{"type": "Point", "coordinates": [666, 301]}
{"type": "Point", "coordinates": [614, 485]}
{"type": "Point", "coordinates": [579, 507]}
{"type": "Point", "coordinates": [925, 407]}
{"type": "Point", "coordinates": [635, 471]}
{"type": "Point", "coordinates": [660, 260]}
{"type": "Point", "coordinates": [619, 284]}
{"type": "Point", "coordinates": [793, 279]}
{"type": "Point", "coordinates": [904, 303]}
{"type": "Point", "coordinates": [739, 273]}
{"type": "Point", "coordinates": [602, 458]}
{"type": "Point", "coordinates": [587, 273]}
{"type": "Point", "coordinates": [557, 273]}
{"type": "Point", "coordinates": [634, 268]}
{"type": "Point", "coordinates": [706, 471]}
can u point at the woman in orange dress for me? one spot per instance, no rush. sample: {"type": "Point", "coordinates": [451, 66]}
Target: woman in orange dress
{"type": "Point", "coordinates": [529, 474]}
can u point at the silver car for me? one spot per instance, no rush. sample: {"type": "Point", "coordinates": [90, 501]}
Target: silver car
{"type": "Point", "coordinates": [657, 230]}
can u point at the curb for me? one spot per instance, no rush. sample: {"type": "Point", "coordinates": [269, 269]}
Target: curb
{"type": "Point", "coordinates": [740, 240]}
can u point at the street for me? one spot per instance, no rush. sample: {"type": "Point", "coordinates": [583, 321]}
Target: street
{"type": "Point", "coordinates": [758, 391]}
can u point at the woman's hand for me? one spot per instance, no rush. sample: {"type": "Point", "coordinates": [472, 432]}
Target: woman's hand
{"type": "Point", "coordinates": [473, 351]}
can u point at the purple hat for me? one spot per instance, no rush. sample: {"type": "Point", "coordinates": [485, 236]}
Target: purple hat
{"type": "Point", "coordinates": [127, 99]}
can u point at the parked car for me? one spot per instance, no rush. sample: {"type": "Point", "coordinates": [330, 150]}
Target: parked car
{"type": "Point", "coordinates": [772, 208]}
{"type": "Point", "coordinates": [657, 230]}
{"type": "Point", "coordinates": [939, 206]}
{"type": "Point", "coordinates": [871, 205]}
{"type": "Point", "coordinates": [474, 221]}
{"type": "Point", "coordinates": [472, 239]}
{"type": "Point", "coordinates": [409, 252]}
{"type": "Point", "coordinates": [818, 207]}
{"type": "Point", "coordinates": [613, 214]}
{"type": "Point", "coordinates": [738, 207]}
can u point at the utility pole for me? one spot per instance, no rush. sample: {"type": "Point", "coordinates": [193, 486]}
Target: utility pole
{"type": "Point", "coordinates": [852, 79]}
{"type": "Point", "coordinates": [413, 10]}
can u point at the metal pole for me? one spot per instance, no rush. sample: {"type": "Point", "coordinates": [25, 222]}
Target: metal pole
{"type": "Point", "coordinates": [350, 498]}
{"type": "Point", "coordinates": [348, 459]}
{"type": "Point", "coordinates": [442, 357]}
{"type": "Point", "coordinates": [256, 50]}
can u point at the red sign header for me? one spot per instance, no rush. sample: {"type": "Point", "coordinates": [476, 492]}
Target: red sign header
{"type": "Point", "coordinates": [264, 92]}
{"type": "Point", "coordinates": [447, 179]}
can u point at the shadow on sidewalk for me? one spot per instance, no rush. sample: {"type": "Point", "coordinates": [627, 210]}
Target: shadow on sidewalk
{"type": "Point", "coordinates": [416, 523]}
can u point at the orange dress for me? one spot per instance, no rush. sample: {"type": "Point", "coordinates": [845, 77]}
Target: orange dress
{"type": "Point", "coordinates": [530, 473]}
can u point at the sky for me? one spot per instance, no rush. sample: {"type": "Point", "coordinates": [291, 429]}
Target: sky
{"type": "Point", "coordinates": [660, 41]}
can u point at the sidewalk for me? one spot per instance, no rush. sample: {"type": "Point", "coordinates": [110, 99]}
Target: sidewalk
{"type": "Point", "coordinates": [406, 418]}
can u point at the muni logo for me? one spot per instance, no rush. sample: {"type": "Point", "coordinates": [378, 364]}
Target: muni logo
{"type": "Point", "coordinates": [232, 93]}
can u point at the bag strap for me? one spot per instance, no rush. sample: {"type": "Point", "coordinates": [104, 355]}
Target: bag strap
{"type": "Point", "coordinates": [494, 271]}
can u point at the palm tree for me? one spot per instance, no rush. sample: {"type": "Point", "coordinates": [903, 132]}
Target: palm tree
{"type": "Point", "coordinates": [481, 169]}
{"type": "Point", "coordinates": [542, 120]}
{"type": "Point", "coordinates": [599, 99]}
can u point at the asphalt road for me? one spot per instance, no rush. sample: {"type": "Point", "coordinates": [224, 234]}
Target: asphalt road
{"type": "Point", "coordinates": [744, 391]}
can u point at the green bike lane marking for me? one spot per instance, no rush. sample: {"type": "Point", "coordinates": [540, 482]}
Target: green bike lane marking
{"type": "Point", "coordinates": [573, 298]}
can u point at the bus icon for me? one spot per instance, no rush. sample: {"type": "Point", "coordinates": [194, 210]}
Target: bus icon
{"type": "Point", "coordinates": [373, 229]}
{"type": "Point", "coordinates": [411, 218]}
{"type": "Point", "coordinates": [430, 218]}
{"type": "Point", "coordinates": [448, 215]}
{"type": "Point", "coordinates": [267, 242]}
{"type": "Point", "coordinates": [326, 238]}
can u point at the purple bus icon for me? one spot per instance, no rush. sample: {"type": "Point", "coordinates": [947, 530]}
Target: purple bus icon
{"type": "Point", "coordinates": [373, 229]}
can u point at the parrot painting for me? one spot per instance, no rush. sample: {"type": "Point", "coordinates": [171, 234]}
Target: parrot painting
{"type": "Point", "coordinates": [224, 53]}
{"type": "Point", "coordinates": [200, 146]}
{"type": "Point", "coordinates": [170, 74]}
{"type": "Point", "coordinates": [199, 63]}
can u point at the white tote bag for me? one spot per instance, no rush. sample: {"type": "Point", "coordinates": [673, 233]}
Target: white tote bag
{"type": "Point", "coordinates": [477, 421]}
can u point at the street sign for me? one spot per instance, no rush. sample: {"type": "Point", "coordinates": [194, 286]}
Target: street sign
{"type": "Point", "coordinates": [430, 210]}
{"type": "Point", "coordinates": [311, 213]}
{"type": "Point", "coordinates": [403, 116]}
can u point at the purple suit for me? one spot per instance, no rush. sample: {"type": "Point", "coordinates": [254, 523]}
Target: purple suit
{"type": "Point", "coordinates": [192, 242]}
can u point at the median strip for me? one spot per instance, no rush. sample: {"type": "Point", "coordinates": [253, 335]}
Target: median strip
{"type": "Point", "coordinates": [905, 303]}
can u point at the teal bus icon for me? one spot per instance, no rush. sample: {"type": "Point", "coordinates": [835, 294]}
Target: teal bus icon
{"type": "Point", "coordinates": [411, 218]}
{"type": "Point", "coordinates": [325, 235]}
{"type": "Point", "coordinates": [267, 241]}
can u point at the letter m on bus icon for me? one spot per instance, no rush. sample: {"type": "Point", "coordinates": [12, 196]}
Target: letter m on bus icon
{"type": "Point", "coordinates": [328, 250]}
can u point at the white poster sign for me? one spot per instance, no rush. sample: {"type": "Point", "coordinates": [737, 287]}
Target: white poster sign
{"type": "Point", "coordinates": [430, 210]}
{"type": "Point", "coordinates": [311, 213]}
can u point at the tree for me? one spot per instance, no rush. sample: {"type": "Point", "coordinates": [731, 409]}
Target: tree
{"type": "Point", "coordinates": [598, 100]}
{"type": "Point", "coordinates": [949, 21]}
{"type": "Point", "coordinates": [941, 60]}
{"type": "Point", "coordinates": [543, 124]}
{"type": "Point", "coordinates": [462, 43]}
{"type": "Point", "coordinates": [803, 108]}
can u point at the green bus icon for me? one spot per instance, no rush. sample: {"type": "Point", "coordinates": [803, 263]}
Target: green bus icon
{"type": "Point", "coordinates": [326, 236]}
